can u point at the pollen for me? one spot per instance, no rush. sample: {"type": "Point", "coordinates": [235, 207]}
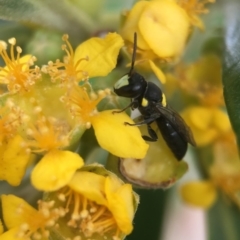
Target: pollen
{"type": "Point", "coordinates": [88, 217]}
{"type": "Point", "coordinates": [67, 72]}
{"type": "Point", "coordinates": [37, 225]}
{"type": "Point", "coordinates": [82, 102]}
{"type": "Point", "coordinates": [17, 74]}
{"type": "Point", "coordinates": [47, 133]}
{"type": "Point", "coordinates": [11, 118]}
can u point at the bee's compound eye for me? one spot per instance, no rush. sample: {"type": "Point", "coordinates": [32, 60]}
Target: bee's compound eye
{"type": "Point", "coordinates": [131, 86]}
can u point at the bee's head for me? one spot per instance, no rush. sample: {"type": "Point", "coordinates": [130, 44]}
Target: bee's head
{"type": "Point", "coordinates": [132, 84]}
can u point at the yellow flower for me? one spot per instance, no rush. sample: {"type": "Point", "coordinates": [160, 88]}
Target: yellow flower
{"type": "Point", "coordinates": [17, 74]}
{"type": "Point", "coordinates": [207, 123]}
{"type": "Point", "coordinates": [24, 221]}
{"type": "Point", "coordinates": [162, 28]}
{"type": "Point", "coordinates": [202, 79]}
{"type": "Point", "coordinates": [224, 175]}
{"type": "Point", "coordinates": [35, 132]}
{"type": "Point", "coordinates": [101, 205]}
{"type": "Point", "coordinates": [95, 203]}
{"type": "Point", "coordinates": [199, 193]}
{"type": "Point", "coordinates": [94, 57]}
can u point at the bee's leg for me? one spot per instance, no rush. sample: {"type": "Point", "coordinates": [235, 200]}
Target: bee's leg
{"type": "Point", "coordinates": [153, 136]}
{"type": "Point", "coordinates": [144, 122]}
{"type": "Point", "coordinates": [132, 105]}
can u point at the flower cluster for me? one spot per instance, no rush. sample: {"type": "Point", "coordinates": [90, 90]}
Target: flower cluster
{"type": "Point", "coordinates": [46, 113]}
{"type": "Point", "coordinates": [101, 206]}
{"type": "Point", "coordinates": [163, 28]}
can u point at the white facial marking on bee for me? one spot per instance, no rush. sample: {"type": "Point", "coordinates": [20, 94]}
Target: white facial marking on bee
{"type": "Point", "coordinates": [122, 82]}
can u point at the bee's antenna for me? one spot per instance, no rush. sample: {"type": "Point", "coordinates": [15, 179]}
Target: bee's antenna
{"type": "Point", "coordinates": [134, 53]}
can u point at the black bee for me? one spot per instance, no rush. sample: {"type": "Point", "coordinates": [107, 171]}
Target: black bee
{"type": "Point", "coordinates": [151, 102]}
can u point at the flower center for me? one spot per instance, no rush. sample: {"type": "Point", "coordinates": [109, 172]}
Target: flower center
{"type": "Point", "coordinates": [10, 119]}
{"type": "Point", "coordinates": [83, 102]}
{"type": "Point", "coordinates": [67, 71]}
{"type": "Point", "coordinates": [47, 133]}
{"type": "Point", "coordinates": [37, 224]}
{"type": "Point", "coordinates": [17, 74]}
{"type": "Point", "coordinates": [90, 218]}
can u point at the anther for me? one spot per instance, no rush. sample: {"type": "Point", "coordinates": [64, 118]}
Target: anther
{"type": "Point", "coordinates": [12, 41]}
{"type": "Point", "coordinates": [3, 45]}
{"type": "Point", "coordinates": [19, 50]}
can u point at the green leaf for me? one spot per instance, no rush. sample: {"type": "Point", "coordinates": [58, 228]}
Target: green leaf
{"type": "Point", "coordinates": [223, 221]}
{"type": "Point", "coordinates": [64, 15]}
{"type": "Point", "coordinates": [231, 64]}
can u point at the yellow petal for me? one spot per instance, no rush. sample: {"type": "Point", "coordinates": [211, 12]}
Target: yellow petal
{"type": "Point", "coordinates": [13, 161]}
{"type": "Point", "coordinates": [120, 203]}
{"type": "Point", "coordinates": [102, 54]}
{"type": "Point", "coordinates": [131, 25]}
{"type": "Point", "coordinates": [206, 123]}
{"type": "Point", "coordinates": [11, 235]}
{"type": "Point", "coordinates": [221, 120]}
{"type": "Point", "coordinates": [199, 193]}
{"type": "Point", "coordinates": [13, 215]}
{"type": "Point", "coordinates": [203, 122]}
{"type": "Point", "coordinates": [55, 170]}
{"type": "Point", "coordinates": [164, 25]}
{"type": "Point", "coordinates": [116, 137]}
{"type": "Point", "coordinates": [204, 137]}
{"type": "Point", "coordinates": [90, 185]}
{"type": "Point", "coordinates": [160, 75]}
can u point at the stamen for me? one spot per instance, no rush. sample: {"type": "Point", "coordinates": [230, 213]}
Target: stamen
{"type": "Point", "coordinates": [89, 217]}
{"type": "Point", "coordinates": [65, 39]}
{"type": "Point", "coordinates": [11, 117]}
{"type": "Point", "coordinates": [67, 72]}
{"type": "Point", "coordinates": [17, 75]}
{"type": "Point", "coordinates": [82, 103]}
{"type": "Point", "coordinates": [45, 134]}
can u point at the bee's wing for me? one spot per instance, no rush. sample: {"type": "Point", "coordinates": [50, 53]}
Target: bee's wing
{"type": "Point", "coordinates": [177, 123]}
